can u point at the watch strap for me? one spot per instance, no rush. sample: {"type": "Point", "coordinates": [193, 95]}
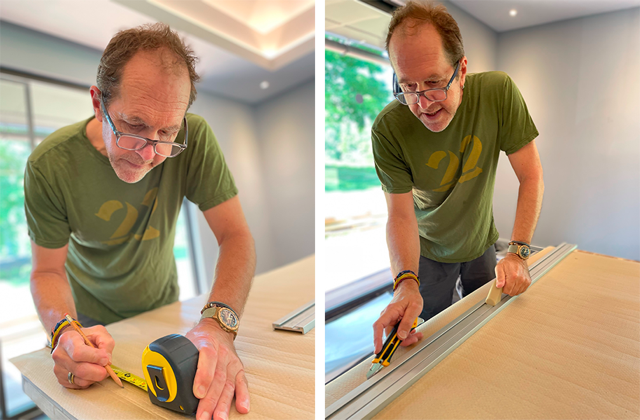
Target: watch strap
{"type": "Point", "coordinates": [219, 304]}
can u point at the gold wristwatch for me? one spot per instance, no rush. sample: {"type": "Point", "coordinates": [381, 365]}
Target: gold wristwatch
{"type": "Point", "coordinates": [224, 316]}
{"type": "Point", "coordinates": [521, 249]}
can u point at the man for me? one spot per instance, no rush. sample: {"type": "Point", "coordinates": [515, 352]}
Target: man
{"type": "Point", "coordinates": [436, 150]}
{"type": "Point", "coordinates": [102, 198]}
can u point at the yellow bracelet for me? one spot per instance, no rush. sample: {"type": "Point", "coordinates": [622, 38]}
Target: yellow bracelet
{"type": "Point", "coordinates": [56, 334]}
{"type": "Point", "coordinates": [403, 277]}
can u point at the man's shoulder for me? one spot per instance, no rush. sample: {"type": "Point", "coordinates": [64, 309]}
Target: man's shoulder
{"type": "Point", "coordinates": [393, 112]}
{"type": "Point", "coordinates": [195, 120]}
{"type": "Point", "coordinates": [59, 141]}
{"type": "Point", "coordinates": [488, 79]}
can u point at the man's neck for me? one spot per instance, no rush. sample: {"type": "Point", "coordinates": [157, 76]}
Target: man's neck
{"type": "Point", "coordinates": [94, 133]}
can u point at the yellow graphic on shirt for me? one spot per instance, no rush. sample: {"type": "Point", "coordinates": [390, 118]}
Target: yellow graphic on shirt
{"type": "Point", "coordinates": [470, 169]}
{"type": "Point", "coordinates": [122, 233]}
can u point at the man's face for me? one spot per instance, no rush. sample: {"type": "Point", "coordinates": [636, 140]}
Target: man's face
{"type": "Point", "coordinates": [419, 61]}
{"type": "Point", "coordinates": [151, 102]}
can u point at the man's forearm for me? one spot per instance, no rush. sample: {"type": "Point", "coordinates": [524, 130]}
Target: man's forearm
{"type": "Point", "coordinates": [528, 210]}
{"type": "Point", "coordinates": [234, 271]}
{"type": "Point", "coordinates": [52, 297]}
{"type": "Point", "coordinates": [404, 244]}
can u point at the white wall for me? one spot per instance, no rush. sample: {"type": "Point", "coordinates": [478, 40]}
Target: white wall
{"type": "Point", "coordinates": [37, 53]}
{"type": "Point", "coordinates": [480, 41]}
{"type": "Point", "coordinates": [286, 127]}
{"type": "Point", "coordinates": [580, 79]}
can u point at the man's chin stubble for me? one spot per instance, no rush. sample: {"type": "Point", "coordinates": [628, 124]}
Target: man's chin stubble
{"type": "Point", "coordinates": [127, 175]}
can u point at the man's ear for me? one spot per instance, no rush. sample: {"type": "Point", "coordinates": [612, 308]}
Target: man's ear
{"type": "Point", "coordinates": [95, 102]}
{"type": "Point", "coordinates": [463, 70]}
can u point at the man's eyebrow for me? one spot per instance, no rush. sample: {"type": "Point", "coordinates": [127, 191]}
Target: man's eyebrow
{"type": "Point", "coordinates": [433, 78]}
{"type": "Point", "coordinates": [140, 121]}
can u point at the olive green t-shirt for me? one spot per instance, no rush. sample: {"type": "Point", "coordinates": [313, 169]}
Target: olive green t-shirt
{"type": "Point", "coordinates": [452, 173]}
{"type": "Point", "coordinates": [120, 261]}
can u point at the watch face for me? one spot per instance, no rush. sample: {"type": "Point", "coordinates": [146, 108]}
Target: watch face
{"type": "Point", "coordinates": [525, 251]}
{"type": "Point", "coordinates": [228, 318]}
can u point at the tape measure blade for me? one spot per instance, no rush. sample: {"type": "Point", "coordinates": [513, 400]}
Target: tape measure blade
{"type": "Point", "coordinates": [130, 378]}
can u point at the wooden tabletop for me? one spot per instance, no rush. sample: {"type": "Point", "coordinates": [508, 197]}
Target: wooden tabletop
{"type": "Point", "coordinates": [280, 365]}
{"type": "Point", "coordinates": [567, 348]}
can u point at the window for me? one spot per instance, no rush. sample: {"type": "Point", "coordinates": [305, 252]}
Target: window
{"type": "Point", "coordinates": [357, 260]}
{"type": "Point", "coordinates": [29, 111]}
{"type": "Point", "coordinates": [356, 91]}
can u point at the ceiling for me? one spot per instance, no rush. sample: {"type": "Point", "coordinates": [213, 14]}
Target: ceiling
{"type": "Point", "coordinates": [495, 13]}
{"type": "Point", "coordinates": [240, 43]}
{"type": "Point", "coordinates": [365, 24]}
{"type": "Point", "coordinates": [356, 21]}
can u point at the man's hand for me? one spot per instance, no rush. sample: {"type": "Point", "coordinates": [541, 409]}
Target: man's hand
{"type": "Point", "coordinates": [405, 307]}
{"type": "Point", "coordinates": [86, 363]}
{"type": "Point", "coordinates": [513, 275]}
{"type": "Point", "coordinates": [220, 372]}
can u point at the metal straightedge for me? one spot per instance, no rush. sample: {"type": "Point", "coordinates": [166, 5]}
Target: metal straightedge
{"type": "Point", "coordinates": [301, 320]}
{"type": "Point", "coordinates": [373, 395]}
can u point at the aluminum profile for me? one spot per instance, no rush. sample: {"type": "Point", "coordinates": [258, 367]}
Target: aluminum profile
{"type": "Point", "coordinates": [301, 320]}
{"type": "Point", "coordinates": [373, 395]}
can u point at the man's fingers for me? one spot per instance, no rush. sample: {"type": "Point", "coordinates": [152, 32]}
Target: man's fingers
{"type": "Point", "coordinates": [242, 393]}
{"type": "Point", "coordinates": [62, 374]}
{"type": "Point", "coordinates": [73, 344]}
{"type": "Point", "coordinates": [90, 372]}
{"type": "Point", "coordinates": [378, 329]}
{"type": "Point", "coordinates": [100, 337]}
{"type": "Point", "coordinates": [500, 277]}
{"type": "Point", "coordinates": [410, 315]}
{"type": "Point", "coordinates": [388, 318]}
{"type": "Point", "coordinates": [208, 404]}
{"type": "Point", "coordinates": [221, 411]}
{"type": "Point", "coordinates": [82, 383]}
{"type": "Point", "coordinates": [413, 338]}
{"type": "Point", "coordinates": [207, 365]}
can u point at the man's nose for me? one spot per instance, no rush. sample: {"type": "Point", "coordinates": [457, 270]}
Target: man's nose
{"type": "Point", "coordinates": [423, 102]}
{"type": "Point", "coordinates": [146, 153]}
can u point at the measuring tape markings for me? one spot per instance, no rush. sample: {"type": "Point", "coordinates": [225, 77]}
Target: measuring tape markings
{"type": "Point", "coordinates": [130, 377]}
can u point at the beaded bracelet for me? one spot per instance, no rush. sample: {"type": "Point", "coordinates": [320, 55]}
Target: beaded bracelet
{"type": "Point", "coordinates": [56, 331]}
{"type": "Point", "coordinates": [403, 275]}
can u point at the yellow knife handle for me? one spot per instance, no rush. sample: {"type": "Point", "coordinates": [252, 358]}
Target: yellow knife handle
{"type": "Point", "coordinates": [391, 345]}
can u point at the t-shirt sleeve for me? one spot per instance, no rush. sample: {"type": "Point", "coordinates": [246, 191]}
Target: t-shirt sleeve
{"type": "Point", "coordinates": [47, 221]}
{"type": "Point", "coordinates": [517, 127]}
{"type": "Point", "coordinates": [393, 172]}
{"type": "Point", "coordinates": [209, 180]}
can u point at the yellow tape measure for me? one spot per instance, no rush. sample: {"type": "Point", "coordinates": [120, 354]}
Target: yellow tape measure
{"type": "Point", "coordinates": [130, 377]}
{"type": "Point", "coordinates": [169, 365]}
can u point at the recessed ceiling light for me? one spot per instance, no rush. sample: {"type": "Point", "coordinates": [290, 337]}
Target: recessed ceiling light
{"type": "Point", "coordinates": [264, 84]}
{"type": "Point", "coordinates": [513, 12]}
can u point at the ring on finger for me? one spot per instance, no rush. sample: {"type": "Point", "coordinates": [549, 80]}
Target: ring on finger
{"type": "Point", "coordinates": [70, 377]}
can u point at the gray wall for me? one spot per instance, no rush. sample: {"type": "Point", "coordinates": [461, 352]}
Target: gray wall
{"type": "Point", "coordinates": [580, 79]}
{"type": "Point", "coordinates": [270, 150]}
{"type": "Point", "coordinates": [286, 126]}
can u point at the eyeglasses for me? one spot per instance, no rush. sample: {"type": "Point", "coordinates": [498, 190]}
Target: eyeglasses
{"type": "Point", "coordinates": [133, 142]}
{"type": "Point", "coordinates": [433, 95]}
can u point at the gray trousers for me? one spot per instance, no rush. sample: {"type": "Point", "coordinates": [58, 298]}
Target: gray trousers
{"type": "Point", "coordinates": [438, 280]}
{"type": "Point", "coordinates": [87, 322]}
